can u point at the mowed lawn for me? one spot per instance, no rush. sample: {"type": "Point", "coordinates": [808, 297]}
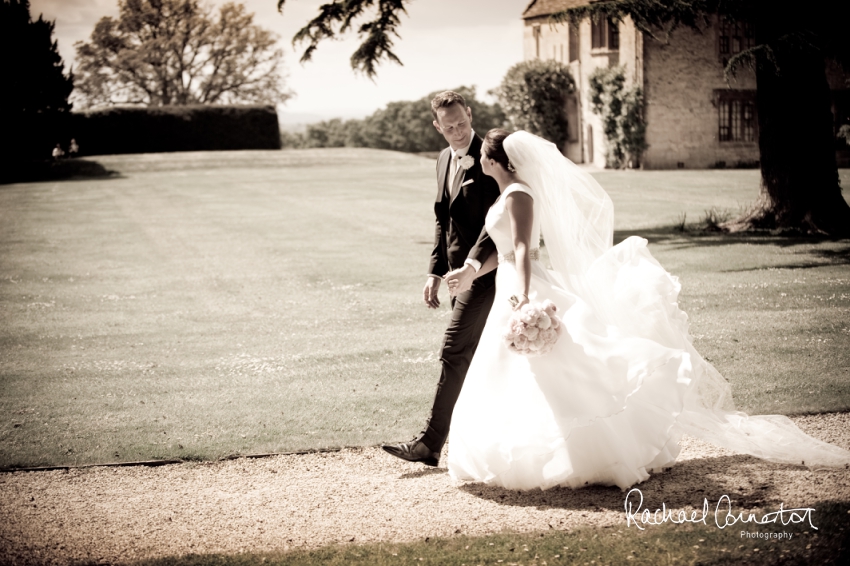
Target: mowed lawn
{"type": "Point", "coordinates": [201, 305]}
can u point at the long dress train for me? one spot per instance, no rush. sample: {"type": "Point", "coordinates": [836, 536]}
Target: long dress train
{"type": "Point", "coordinates": [610, 402]}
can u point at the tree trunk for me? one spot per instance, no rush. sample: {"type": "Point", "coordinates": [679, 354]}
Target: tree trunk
{"type": "Point", "coordinates": [799, 175]}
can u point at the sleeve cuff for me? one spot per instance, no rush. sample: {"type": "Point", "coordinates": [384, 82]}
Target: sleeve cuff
{"type": "Point", "coordinates": [476, 265]}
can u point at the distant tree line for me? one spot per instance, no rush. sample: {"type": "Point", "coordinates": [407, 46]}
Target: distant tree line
{"type": "Point", "coordinates": [401, 126]}
{"type": "Point", "coordinates": [532, 97]}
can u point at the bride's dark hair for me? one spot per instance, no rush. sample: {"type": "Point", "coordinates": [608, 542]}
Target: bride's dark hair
{"type": "Point", "coordinates": [494, 147]}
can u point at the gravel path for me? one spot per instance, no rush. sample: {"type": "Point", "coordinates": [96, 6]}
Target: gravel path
{"type": "Point", "coordinates": [353, 496]}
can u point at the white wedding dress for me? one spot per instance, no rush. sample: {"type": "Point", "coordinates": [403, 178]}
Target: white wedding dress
{"type": "Point", "coordinates": [612, 399]}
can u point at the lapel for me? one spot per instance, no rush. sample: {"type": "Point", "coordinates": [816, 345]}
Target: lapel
{"type": "Point", "coordinates": [442, 172]}
{"type": "Point", "coordinates": [475, 152]}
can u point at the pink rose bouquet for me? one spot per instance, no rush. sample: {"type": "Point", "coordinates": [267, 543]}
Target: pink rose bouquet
{"type": "Point", "coordinates": [533, 329]}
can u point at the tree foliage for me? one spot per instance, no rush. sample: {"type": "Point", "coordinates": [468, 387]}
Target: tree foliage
{"type": "Point", "coordinates": [178, 52]}
{"type": "Point", "coordinates": [338, 17]}
{"type": "Point", "coordinates": [621, 108]}
{"type": "Point", "coordinates": [820, 27]}
{"type": "Point", "coordinates": [799, 188]}
{"type": "Point", "coordinates": [534, 94]}
{"type": "Point", "coordinates": [33, 74]}
{"type": "Point", "coordinates": [400, 126]}
{"type": "Point", "coordinates": [34, 98]}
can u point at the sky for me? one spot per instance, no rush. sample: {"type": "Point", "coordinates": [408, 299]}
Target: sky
{"type": "Point", "coordinates": [444, 44]}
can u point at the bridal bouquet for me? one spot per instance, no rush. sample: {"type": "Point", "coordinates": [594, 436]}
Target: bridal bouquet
{"type": "Point", "coordinates": [533, 329]}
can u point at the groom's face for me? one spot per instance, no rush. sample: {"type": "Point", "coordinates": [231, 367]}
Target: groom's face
{"type": "Point", "coordinates": [455, 123]}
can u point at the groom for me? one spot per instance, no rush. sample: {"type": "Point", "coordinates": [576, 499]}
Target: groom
{"type": "Point", "coordinates": [464, 194]}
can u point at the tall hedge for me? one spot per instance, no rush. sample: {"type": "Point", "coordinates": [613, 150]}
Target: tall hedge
{"type": "Point", "coordinates": [533, 95]}
{"type": "Point", "coordinates": [174, 128]}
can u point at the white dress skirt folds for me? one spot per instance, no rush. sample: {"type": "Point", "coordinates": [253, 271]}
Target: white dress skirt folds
{"type": "Point", "coordinates": [610, 402]}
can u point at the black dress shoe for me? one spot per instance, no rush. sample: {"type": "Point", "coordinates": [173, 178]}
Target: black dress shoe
{"type": "Point", "coordinates": [413, 451]}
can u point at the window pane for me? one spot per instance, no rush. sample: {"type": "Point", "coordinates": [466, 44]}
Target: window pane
{"type": "Point", "coordinates": [735, 113]}
{"type": "Point", "coordinates": [736, 44]}
{"type": "Point", "coordinates": [723, 114]}
{"type": "Point", "coordinates": [573, 43]}
{"type": "Point", "coordinates": [749, 122]}
{"type": "Point", "coordinates": [613, 35]}
{"type": "Point", "coordinates": [536, 32]}
{"type": "Point", "coordinates": [596, 34]}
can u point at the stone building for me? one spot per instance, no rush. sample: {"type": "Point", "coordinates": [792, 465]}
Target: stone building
{"type": "Point", "coordinates": [694, 118]}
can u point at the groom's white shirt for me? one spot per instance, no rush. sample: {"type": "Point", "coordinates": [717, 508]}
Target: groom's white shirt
{"type": "Point", "coordinates": [455, 162]}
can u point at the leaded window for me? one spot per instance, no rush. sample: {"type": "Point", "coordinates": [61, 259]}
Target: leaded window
{"type": "Point", "coordinates": [734, 37]}
{"type": "Point", "coordinates": [736, 118]}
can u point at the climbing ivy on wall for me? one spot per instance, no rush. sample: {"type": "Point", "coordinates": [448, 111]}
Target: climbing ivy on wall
{"type": "Point", "coordinates": [621, 108]}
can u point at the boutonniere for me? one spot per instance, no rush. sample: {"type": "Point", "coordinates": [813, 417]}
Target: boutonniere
{"type": "Point", "coordinates": [466, 162]}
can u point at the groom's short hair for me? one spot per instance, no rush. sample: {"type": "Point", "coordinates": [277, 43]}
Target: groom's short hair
{"type": "Point", "coordinates": [446, 99]}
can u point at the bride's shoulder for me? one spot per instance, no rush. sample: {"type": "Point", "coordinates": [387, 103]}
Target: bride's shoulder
{"type": "Point", "coordinates": [519, 188]}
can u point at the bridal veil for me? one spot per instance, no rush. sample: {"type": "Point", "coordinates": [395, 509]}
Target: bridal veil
{"type": "Point", "coordinates": [577, 224]}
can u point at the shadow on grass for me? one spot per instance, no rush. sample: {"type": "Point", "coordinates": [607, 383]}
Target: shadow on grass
{"type": "Point", "coordinates": [676, 240]}
{"type": "Point", "coordinates": [684, 485]}
{"type": "Point", "coordinates": [64, 170]}
{"type": "Point", "coordinates": [704, 238]}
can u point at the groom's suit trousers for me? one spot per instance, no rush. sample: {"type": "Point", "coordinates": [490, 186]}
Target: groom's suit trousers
{"type": "Point", "coordinates": [469, 314]}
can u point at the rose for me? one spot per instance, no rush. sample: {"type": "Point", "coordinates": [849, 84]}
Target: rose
{"type": "Point", "coordinates": [544, 321]}
{"type": "Point", "coordinates": [466, 162]}
{"type": "Point", "coordinates": [516, 326]}
{"type": "Point", "coordinates": [529, 316]}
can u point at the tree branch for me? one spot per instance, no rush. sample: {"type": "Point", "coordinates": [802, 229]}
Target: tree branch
{"type": "Point", "coordinates": [337, 18]}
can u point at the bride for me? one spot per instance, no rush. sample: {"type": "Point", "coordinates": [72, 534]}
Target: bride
{"type": "Point", "coordinates": [609, 403]}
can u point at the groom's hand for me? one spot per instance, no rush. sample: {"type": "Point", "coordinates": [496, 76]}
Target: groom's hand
{"type": "Point", "coordinates": [429, 293]}
{"type": "Point", "coordinates": [460, 280]}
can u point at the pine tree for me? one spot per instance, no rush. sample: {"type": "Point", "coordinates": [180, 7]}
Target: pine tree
{"type": "Point", "coordinates": [35, 87]}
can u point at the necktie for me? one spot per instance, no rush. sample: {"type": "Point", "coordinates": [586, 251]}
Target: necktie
{"type": "Point", "coordinates": [455, 164]}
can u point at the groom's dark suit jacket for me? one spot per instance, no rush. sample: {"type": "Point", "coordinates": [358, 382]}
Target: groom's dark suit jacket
{"type": "Point", "coordinates": [460, 217]}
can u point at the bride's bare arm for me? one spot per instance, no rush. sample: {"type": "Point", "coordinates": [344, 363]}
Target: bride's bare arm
{"type": "Point", "coordinates": [461, 279]}
{"type": "Point", "coordinates": [489, 265]}
{"type": "Point", "coordinates": [520, 207]}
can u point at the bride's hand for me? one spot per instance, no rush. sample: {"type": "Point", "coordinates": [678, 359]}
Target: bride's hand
{"type": "Point", "coordinates": [518, 300]}
{"type": "Point", "coordinates": [460, 280]}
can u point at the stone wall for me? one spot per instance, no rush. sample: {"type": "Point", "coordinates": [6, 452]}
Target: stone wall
{"type": "Point", "coordinates": [588, 143]}
{"type": "Point", "coordinates": [681, 81]}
